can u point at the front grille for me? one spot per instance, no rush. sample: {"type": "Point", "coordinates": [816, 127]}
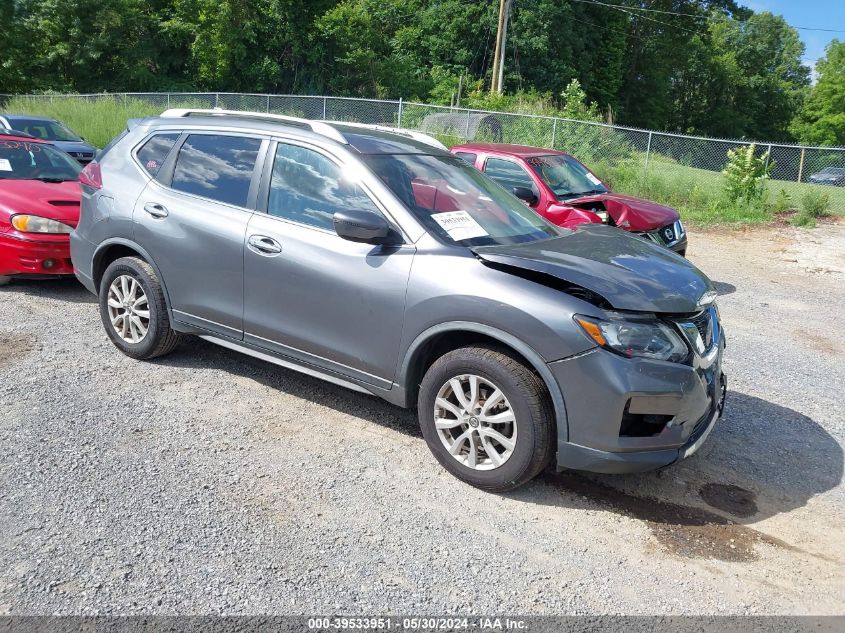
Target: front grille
{"type": "Point", "coordinates": [701, 330]}
{"type": "Point", "coordinates": [704, 324]}
{"type": "Point", "coordinates": [668, 234]}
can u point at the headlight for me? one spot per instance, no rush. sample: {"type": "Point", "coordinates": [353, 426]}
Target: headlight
{"type": "Point", "coordinates": [644, 339]}
{"type": "Point", "coordinates": [36, 224]}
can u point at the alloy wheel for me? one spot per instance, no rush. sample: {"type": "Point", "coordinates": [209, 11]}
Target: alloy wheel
{"type": "Point", "coordinates": [129, 311]}
{"type": "Point", "coordinates": [475, 422]}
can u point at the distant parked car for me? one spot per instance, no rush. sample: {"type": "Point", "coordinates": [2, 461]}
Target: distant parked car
{"type": "Point", "coordinates": [51, 130]}
{"type": "Point", "coordinates": [39, 206]}
{"type": "Point", "coordinates": [562, 190]}
{"type": "Point", "coordinates": [833, 176]}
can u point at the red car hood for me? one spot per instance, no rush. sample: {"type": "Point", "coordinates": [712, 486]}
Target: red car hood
{"type": "Point", "coordinates": [54, 200]}
{"type": "Point", "coordinates": [631, 214]}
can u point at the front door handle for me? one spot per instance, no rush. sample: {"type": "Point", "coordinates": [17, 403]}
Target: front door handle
{"type": "Point", "coordinates": [264, 245]}
{"type": "Point", "coordinates": [156, 210]}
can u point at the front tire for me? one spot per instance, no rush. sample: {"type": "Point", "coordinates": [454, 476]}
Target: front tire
{"type": "Point", "coordinates": [4, 280]}
{"type": "Point", "coordinates": [487, 418]}
{"type": "Point", "coordinates": [133, 310]}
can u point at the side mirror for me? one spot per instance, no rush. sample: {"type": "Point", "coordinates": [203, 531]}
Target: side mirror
{"type": "Point", "coordinates": [357, 225]}
{"type": "Point", "coordinates": [525, 194]}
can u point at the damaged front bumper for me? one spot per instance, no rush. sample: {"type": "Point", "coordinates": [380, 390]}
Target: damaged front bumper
{"type": "Point", "coordinates": [631, 415]}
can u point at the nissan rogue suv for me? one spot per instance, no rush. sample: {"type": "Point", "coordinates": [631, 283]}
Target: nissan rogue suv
{"type": "Point", "coordinates": [375, 259]}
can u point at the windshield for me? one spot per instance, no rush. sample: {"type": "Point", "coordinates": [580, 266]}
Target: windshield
{"type": "Point", "coordinates": [565, 176]}
{"type": "Point", "coordinates": [44, 129]}
{"type": "Point", "coordinates": [20, 160]}
{"type": "Point", "coordinates": [458, 203]}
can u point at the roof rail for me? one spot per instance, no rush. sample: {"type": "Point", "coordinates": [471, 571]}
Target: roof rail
{"type": "Point", "coordinates": [417, 136]}
{"type": "Point", "coordinates": [318, 127]}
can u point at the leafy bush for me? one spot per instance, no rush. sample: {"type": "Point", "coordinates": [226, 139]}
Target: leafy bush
{"type": "Point", "coordinates": [815, 204]}
{"type": "Point", "coordinates": [746, 173]}
{"type": "Point", "coordinates": [783, 202]}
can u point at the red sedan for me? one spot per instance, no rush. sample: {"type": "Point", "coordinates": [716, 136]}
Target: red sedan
{"type": "Point", "coordinates": [565, 192]}
{"type": "Point", "coordinates": [39, 207]}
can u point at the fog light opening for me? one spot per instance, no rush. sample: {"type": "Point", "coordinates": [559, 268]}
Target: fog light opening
{"type": "Point", "coordinates": [48, 264]}
{"type": "Point", "coordinates": [642, 424]}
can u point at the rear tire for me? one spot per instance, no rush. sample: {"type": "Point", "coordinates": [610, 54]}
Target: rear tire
{"type": "Point", "coordinates": [504, 408]}
{"type": "Point", "coordinates": [133, 310]}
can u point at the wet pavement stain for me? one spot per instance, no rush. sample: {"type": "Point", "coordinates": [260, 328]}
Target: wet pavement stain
{"type": "Point", "coordinates": [729, 498]}
{"type": "Point", "coordinates": [14, 347]}
{"type": "Point", "coordinates": [682, 530]}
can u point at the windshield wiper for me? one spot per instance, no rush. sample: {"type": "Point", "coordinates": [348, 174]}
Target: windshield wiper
{"type": "Point", "coordinates": [52, 179]}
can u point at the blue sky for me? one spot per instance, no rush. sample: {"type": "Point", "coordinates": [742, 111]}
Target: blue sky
{"type": "Point", "coordinates": [824, 14]}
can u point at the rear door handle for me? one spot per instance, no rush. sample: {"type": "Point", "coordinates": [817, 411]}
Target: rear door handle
{"type": "Point", "coordinates": [156, 210]}
{"type": "Point", "coordinates": [264, 245]}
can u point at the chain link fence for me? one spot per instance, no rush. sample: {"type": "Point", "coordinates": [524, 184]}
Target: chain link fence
{"type": "Point", "coordinates": [644, 162]}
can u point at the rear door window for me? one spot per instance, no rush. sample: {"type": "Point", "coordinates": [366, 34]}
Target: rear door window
{"type": "Point", "coordinates": [217, 167]}
{"type": "Point", "coordinates": [151, 155]}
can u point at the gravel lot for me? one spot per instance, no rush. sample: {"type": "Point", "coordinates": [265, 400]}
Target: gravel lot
{"type": "Point", "coordinates": [208, 482]}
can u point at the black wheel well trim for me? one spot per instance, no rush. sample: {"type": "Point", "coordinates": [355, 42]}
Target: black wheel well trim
{"type": "Point", "coordinates": [537, 363]}
{"type": "Point", "coordinates": [104, 247]}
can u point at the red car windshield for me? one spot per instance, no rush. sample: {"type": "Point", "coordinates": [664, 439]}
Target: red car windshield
{"type": "Point", "coordinates": [565, 176]}
{"type": "Point", "coordinates": [458, 203]}
{"type": "Point", "coordinates": [22, 160]}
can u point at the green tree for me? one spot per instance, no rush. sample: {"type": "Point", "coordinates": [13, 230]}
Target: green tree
{"type": "Point", "coordinates": [822, 119]}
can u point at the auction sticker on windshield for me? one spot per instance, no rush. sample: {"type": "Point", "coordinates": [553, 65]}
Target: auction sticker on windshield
{"type": "Point", "coordinates": [460, 225]}
{"type": "Point", "coordinates": [5, 165]}
{"type": "Point", "coordinates": [592, 179]}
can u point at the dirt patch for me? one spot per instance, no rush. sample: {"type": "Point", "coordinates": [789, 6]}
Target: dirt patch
{"type": "Point", "coordinates": [15, 347]}
{"type": "Point", "coordinates": [785, 218]}
{"type": "Point", "coordinates": [821, 343]}
{"type": "Point", "coordinates": [681, 530]}
{"type": "Point", "coordinates": [731, 499]}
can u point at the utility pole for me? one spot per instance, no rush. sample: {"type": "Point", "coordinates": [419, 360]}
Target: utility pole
{"type": "Point", "coordinates": [499, 55]}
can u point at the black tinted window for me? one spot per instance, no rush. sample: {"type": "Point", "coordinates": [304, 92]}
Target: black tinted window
{"type": "Point", "coordinates": [307, 187]}
{"type": "Point", "coordinates": [154, 151]}
{"type": "Point", "coordinates": [217, 167]}
{"type": "Point", "coordinates": [467, 156]}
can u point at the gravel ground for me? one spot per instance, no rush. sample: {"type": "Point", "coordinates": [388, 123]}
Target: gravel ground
{"type": "Point", "coordinates": [208, 482]}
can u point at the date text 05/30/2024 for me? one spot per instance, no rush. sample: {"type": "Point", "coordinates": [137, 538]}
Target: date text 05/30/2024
{"type": "Point", "coordinates": [415, 624]}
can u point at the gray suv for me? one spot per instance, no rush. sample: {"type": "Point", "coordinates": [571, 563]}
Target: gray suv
{"type": "Point", "coordinates": [374, 259]}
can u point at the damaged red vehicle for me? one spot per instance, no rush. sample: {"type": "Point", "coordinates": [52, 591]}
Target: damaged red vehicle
{"type": "Point", "coordinates": [39, 207]}
{"type": "Point", "coordinates": [565, 192]}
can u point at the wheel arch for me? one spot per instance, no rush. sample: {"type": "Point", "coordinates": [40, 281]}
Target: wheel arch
{"type": "Point", "coordinates": [113, 250]}
{"type": "Point", "coordinates": [440, 339]}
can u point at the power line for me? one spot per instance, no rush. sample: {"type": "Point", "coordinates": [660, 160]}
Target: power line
{"type": "Point", "coordinates": [645, 17]}
{"type": "Point", "coordinates": [808, 28]}
{"type": "Point", "coordinates": [627, 9]}
{"type": "Point", "coordinates": [616, 6]}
